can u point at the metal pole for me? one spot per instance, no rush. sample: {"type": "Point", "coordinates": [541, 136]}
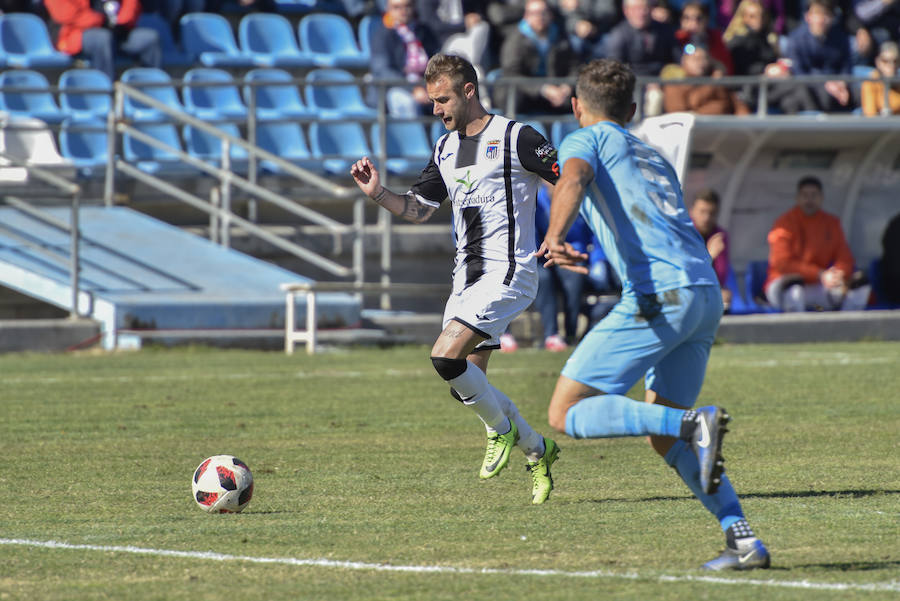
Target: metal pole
{"type": "Point", "coordinates": [75, 263]}
{"type": "Point", "coordinates": [109, 182]}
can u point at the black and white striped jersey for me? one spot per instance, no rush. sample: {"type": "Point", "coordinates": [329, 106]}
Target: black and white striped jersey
{"type": "Point", "coordinates": [491, 180]}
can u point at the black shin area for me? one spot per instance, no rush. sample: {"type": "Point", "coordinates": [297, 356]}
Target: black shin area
{"type": "Point", "coordinates": [448, 368]}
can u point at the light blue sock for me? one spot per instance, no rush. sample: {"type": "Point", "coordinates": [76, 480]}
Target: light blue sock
{"type": "Point", "coordinates": [613, 415]}
{"type": "Point", "coordinates": [724, 504]}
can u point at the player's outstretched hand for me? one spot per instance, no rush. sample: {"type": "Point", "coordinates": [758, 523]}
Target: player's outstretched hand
{"type": "Point", "coordinates": [366, 176]}
{"type": "Point", "coordinates": [564, 255]}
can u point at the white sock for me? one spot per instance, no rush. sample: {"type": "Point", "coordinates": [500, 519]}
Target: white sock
{"type": "Point", "coordinates": [473, 386]}
{"type": "Point", "coordinates": [531, 443]}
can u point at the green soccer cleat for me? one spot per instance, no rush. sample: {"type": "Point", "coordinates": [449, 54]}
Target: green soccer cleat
{"type": "Point", "coordinates": [496, 456]}
{"type": "Point", "coordinates": [541, 480]}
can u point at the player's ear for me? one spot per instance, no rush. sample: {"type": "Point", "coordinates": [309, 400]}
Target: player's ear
{"type": "Point", "coordinates": [469, 90]}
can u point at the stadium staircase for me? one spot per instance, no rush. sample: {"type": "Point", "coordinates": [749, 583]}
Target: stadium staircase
{"type": "Point", "coordinates": [145, 279]}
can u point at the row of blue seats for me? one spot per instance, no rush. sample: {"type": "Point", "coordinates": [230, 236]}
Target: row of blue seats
{"type": "Point", "coordinates": [266, 40]}
{"type": "Point", "coordinates": [24, 92]}
{"type": "Point", "coordinates": [331, 148]}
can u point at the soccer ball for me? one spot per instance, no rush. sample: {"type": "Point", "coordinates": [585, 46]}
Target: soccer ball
{"type": "Point", "coordinates": [222, 484]}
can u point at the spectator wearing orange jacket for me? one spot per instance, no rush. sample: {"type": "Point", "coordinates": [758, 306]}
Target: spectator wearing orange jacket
{"type": "Point", "coordinates": [810, 264]}
{"type": "Point", "coordinates": [99, 30]}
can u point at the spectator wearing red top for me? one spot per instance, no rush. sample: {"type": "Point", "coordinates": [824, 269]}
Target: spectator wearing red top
{"type": "Point", "coordinates": [695, 27]}
{"type": "Point", "coordinates": [101, 30]}
{"type": "Point", "coordinates": [810, 263]}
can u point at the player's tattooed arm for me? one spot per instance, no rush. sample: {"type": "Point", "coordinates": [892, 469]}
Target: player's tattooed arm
{"type": "Point", "coordinates": [408, 206]}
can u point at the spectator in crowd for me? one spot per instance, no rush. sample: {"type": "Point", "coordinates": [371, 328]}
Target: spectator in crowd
{"type": "Point", "coordinates": [750, 39]}
{"type": "Point", "coordinates": [890, 261]}
{"type": "Point", "coordinates": [557, 282]}
{"type": "Point", "coordinates": [504, 17]}
{"type": "Point", "coordinates": [647, 45]}
{"type": "Point", "coordinates": [460, 28]}
{"type": "Point", "coordinates": [810, 263]}
{"type": "Point", "coordinates": [677, 6]}
{"type": "Point", "coordinates": [819, 47]}
{"type": "Point", "coordinates": [729, 9]}
{"type": "Point", "coordinates": [704, 213]}
{"type": "Point", "coordinates": [695, 28]}
{"type": "Point", "coordinates": [101, 31]}
{"type": "Point", "coordinates": [873, 91]}
{"type": "Point", "coordinates": [705, 99]}
{"type": "Point", "coordinates": [880, 17]}
{"type": "Point", "coordinates": [400, 50]}
{"type": "Point", "coordinates": [538, 48]}
{"type": "Point", "coordinates": [587, 21]}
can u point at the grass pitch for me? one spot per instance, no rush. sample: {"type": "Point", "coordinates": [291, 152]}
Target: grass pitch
{"type": "Point", "coordinates": [362, 456]}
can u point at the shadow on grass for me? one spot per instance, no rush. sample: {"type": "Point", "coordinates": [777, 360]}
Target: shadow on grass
{"type": "Point", "coordinates": [851, 566]}
{"type": "Point", "coordinates": [799, 494]}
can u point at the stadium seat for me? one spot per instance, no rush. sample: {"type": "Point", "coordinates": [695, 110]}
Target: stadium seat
{"type": "Point", "coordinates": [164, 93]}
{"type": "Point", "coordinates": [212, 103]}
{"type": "Point", "coordinates": [208, 147]}
{"type": "Point", "coordinates": [739, 304]}
{"type": "Point", "coordinates": [277, 98]}
{"type": "Point", "coordinates": [336, 101]}
{"type": "Point", "coordinates": [269, 39]}
{"type": "Point", "coordinates": [408, 149]}
{"type": "Point", "coordinates": [32, 99]}
{"type": "Point", "coordinates": [154, 160]}
{"type": "Point", "coordinates": [85, 93]}
{"type": "Point", "coordinates": [295, 6]}
{"type": "Point", "coordinates": [338, 144]}
{"type": "Point", "coordinates": [364, 30]}
{"type": "Point", "coordinates": [288, 142]}
{"type": "Point", "coordinates": [25, 43]}
{"type": "Point", "coordinates": [330, 41]}
{"type": "Point", "coordinates": [31, 141]}
{"type": "Point", "coordinates": [437, 130]}
{"type": "Point", "coordinates": [560, 129]}
{"type": "Point", "coordinates": [83, 140]}
{"type": "Point", "coordinates": [172, 54]}
{"type": "Point", "coordinates": [208, 38]}
{"type": "Point", "coordinates": [754, 281]}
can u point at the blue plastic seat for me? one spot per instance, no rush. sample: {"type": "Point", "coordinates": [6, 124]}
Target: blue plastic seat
{"type": "Point", "coordinates": [33, 99]}
{"type": "Point", "coordinates": [437, 130]}
{"type": "Point", "coordinates": [754, 282]}
{"type": "Point", "coordinates": [208, 147]}
{"type": "Point", "coordinates": [364, 30]}
{"type": "Point", "coordinates": [164, 93]}
{"type": "Point", "coordinates": [208, 38]}
{"type": "Point", "coordinates": [277, 98]}
{"type": "Point", "coordinates": [338, 144]}
{"type": "Point", "coordinates": [172, 54]}
{"type": "Point", "coordinates": [83, 140]}
{"type": "Point", "coordinates": [85, 93]}
{"type": "Point", "coordinates": [336, 101]}
{"type": "Point", "coordinates": [270, 41]}
{"type": "Point", "coordinates": [288, 142]}
{"type": "Point", "coordinates": [25, 42]}
{"type": "Point", "coordinates": [330, 41]}
{"type": "Point", "coordinates": [560, 129]}
{"type": "Point", "coordinates": [408, 148]}
{"type": "Point", "coordinates": [296, 6]}
{"type": "Point", "coordinates": [212, 103]}
{"type": "Point", "coordinates": [156, 160]}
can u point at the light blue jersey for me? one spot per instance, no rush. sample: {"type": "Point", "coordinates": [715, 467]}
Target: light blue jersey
{"type": "Point", "coordinates": [635, 207]}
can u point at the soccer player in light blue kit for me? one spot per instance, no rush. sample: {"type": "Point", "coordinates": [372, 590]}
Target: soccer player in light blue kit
{"type": "Point", "coordinates": [669, 312]}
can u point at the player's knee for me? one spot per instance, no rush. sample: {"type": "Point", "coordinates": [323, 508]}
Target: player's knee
{"type": "Point", "coordinates": [449, 368]}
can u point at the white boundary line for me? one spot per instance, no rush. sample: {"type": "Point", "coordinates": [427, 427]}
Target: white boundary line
{"type": "Point", "coordinates": [893, 586]}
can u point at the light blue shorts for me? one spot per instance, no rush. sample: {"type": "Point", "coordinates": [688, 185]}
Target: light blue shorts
{"type": "Point", "coordinates": [666, 338]}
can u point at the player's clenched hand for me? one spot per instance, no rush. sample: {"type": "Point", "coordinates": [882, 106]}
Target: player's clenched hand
{"type": "Point", "coordinates": [366, 177]}
{"type": "Point", "coordinates": [562, 254]}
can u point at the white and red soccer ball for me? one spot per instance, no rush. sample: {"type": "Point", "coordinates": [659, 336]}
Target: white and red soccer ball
{"type": "Point", "coordinates": [222, 484]}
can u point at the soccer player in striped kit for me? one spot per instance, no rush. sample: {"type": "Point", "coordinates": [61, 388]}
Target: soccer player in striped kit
{"type": "Point", "coordinates": [489, 168]}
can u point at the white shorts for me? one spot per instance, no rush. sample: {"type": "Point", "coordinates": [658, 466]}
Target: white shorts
{"type": "Point", "coordinates": [487, 307]}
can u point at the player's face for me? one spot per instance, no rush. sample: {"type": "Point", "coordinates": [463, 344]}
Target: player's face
{"type": "Point", "coordinates": [449, 106]}
{"type": "Point", "coordinates": [809, 199]}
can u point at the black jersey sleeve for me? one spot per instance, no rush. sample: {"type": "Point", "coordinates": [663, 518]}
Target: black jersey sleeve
{"type": "Point", "coordinates": [537, 154]}
{"type": "Point", "coordinates": [430, 184]}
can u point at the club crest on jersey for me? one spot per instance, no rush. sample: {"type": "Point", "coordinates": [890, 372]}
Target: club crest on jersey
{"type": "Point", "coordinates": [492, 150]}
